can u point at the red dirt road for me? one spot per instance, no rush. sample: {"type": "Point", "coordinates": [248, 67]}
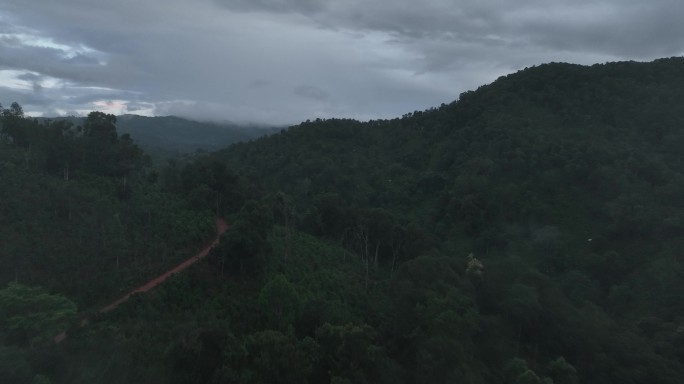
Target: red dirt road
{"type": "Point", "coordinates": [221, 227]}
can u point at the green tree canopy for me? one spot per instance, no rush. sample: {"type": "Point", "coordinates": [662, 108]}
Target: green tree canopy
{"type": "Point", "coordinates": [33, 314]}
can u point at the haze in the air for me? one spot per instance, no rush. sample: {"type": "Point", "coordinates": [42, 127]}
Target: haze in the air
{"type": "Point", "coordinates": [283, 61]}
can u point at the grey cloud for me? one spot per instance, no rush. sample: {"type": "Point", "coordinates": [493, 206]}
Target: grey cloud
{"type": "Point", "coordinates": [52, 112]}
{"type": "Point", "coordinates": [280, 6]}
{"type": "Point", "coordinates": [401, 16]}
{"type": "Point", "coordinates": [81, 97]}
{"type": "Point", "coordinates": [628, 29]}
{"type": "Point", "coordinates": [622, 28]}
{"type": "Point", "coordinates": [311, 92]}
{"type": "Point", "coordinates": [28, 76]}
{"type": "Point", "coordinates": [82, 60]}
{"type": "Point", "coordinates": [46, 61]}
{"type": "Point", "coordinates": [244, 59]}
{"type": "Point", "coordinates": [65, 97]}
{"type": "Point", "coordinates": [260, 83]}
{"type": "Point", "coordinates": [135, 107]}
{"type": "Point", "coordinates": [28, 100]}
{"type": "Point", "coordinates": [10, 41]}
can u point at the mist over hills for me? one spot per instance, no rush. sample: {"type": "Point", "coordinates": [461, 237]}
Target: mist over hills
{"type": "Point", "coordinates": [183, 135]}
{"type": "Point", "coordinates": [530, 232]}
{"type": "Point", "coordinates": [171, 135]}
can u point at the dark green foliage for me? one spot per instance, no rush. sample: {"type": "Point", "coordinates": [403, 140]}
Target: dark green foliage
{"type": "Point", "coordinates": [80, 218]}
{"type": "Point", "coordinates": [32, 315]}
{"type": "Point", "coordinates": [244, 248]}
{"type": "Point", "coordinates": [272, 356]}
{"type": "Point", "coordinates": [13, 366]}
{"type": "Point", "coordinates": [280, 302]}
{"type": "Point", "coordinates": [563, 180]}
{"type": "Point", "coordinates": [562, 372]}
{"type": "Point", "coordinates": [529, 232]}
{"type": "Point", "coordinates": [435, 320]}
{"type": "Point", "coordinates": [350, 353]}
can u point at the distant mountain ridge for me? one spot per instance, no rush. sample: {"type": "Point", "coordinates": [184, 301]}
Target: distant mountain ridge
{"type": "Point", "coordinates": [172, 134]}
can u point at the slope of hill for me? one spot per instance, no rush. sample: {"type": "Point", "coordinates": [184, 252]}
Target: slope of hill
{"type": "Point", "coordinates": [576, 148]}
{"type": "Point", "coordinates": [530, 232]}
{"type": "Point", "coordinates": [565, 181]}
{"type": "Point", "coordinates": [170, 135]}
{"type": "Point", "coordinates": [82, 220]}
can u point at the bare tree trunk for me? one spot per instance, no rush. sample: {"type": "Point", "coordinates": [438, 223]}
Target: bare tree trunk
{"type": "Point", "coordinates": [345, 243]}
{"type": "Point", "coordinates": [287, 210]}
{"type": "Point", "coordinates": [104, 237]}
{"type": "Point", "coordinates": [394, 260]}
{"type": "Point", "coordinates": [27, 155]}
{"type": "Point", "coordinates": [366, 279]}
{"type": "Point", "coordinates": [395, 245]}
{"type": "Point", "coordinates": [375, 258]}
{"type": "Point", "coordinates": [286, 220]}
{"type": "Point", "coordinates": [362, 236]}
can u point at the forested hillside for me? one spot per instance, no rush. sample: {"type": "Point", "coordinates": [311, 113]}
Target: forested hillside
{"type": "Point", "coordinates": [82, 220]}
{"type": "Point", "coordinates": [529, 232]}
{"type": "Point", "coordinates": [564, 181]}
{"type": "Point", "coordinates": [179, 135]}
{"type": "Point", "coordinates": [168, 136]}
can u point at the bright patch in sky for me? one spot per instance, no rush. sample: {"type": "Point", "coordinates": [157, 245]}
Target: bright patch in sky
{"type": "Point", "coordinates": [10, 78]}
{"type": "Point", "coordinates": [67, 51]}
{"type": "Point", "coordinates": [120, 107]}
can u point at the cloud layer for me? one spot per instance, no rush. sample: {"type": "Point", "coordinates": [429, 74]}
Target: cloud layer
{"type": "Point", "coordinates": [283, 61]}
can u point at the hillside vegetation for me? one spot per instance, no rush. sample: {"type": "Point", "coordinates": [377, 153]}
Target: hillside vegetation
{"type": "Point", "coordinates": [529, 232]}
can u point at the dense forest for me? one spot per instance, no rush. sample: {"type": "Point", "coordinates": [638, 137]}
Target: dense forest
{"type": "Point", "coordinates": [529, 232]}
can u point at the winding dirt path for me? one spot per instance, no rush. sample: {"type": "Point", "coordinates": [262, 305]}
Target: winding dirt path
{"type": "Point", "coordinates": [221, 227]}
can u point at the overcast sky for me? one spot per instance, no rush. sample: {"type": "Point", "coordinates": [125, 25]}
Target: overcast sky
{"type": "Point", "coordinates": [284, 61]}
